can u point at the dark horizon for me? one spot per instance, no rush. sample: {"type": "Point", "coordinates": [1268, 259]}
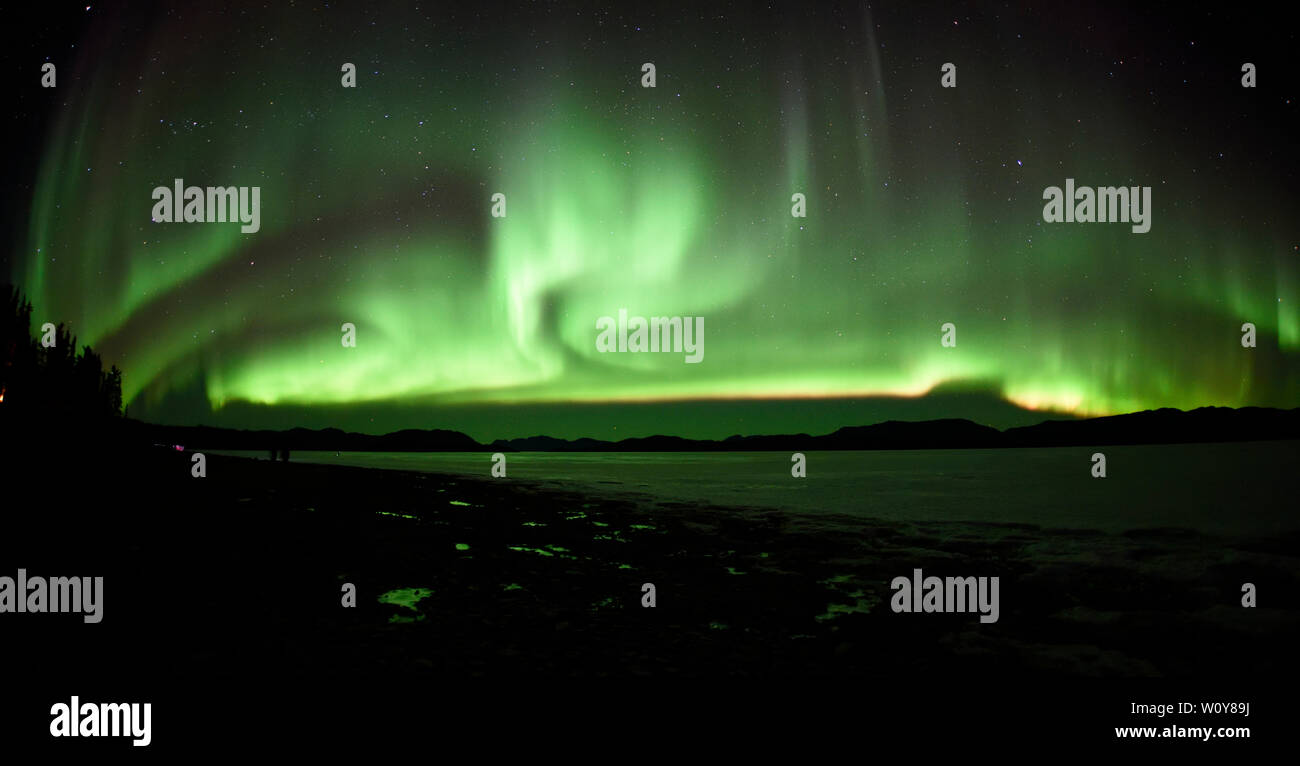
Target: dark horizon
{"type": "Point", "coordinates": [1161, 426]}
{"type": "Point", "coordinates": [690, 419]}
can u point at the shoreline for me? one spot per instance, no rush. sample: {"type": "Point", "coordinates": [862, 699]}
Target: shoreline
{"type": "Point", "coordinates": [237, 578]}
{"type": "Point", "coordinates": [1176, 486]}
{"type": "Point", "coordinates": [515, 573]}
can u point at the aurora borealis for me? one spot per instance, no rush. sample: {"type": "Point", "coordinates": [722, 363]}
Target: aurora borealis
{"type": "Point", "coordinates": [924, 207]}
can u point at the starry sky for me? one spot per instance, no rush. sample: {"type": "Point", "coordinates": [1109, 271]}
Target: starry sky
{"type": "Point", "coordinates": [924, 206]}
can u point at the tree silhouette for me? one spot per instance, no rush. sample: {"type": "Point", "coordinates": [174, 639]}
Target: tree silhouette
{"type": "Point", "coordinates": [54, 381]}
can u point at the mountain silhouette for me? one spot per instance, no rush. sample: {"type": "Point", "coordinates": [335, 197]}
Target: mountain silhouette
{"type": "Point", "coordinates": [1163, 426]}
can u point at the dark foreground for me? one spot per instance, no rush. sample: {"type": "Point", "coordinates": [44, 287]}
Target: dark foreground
{"type": "Point", "coordinates": [231, 586]}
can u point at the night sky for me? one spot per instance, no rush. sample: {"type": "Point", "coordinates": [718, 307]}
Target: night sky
{"type": "Point", "coordinates": [924, 206]}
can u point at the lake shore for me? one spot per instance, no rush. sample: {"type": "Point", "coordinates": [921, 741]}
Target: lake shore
{"type": "Point", "coordinates": [501, 577]}
{"type": "Point", "coordinates": [459, 577]}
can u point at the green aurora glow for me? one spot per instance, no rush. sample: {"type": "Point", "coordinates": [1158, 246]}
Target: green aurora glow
{"type": "Point", "coordinates": [924, 207]}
